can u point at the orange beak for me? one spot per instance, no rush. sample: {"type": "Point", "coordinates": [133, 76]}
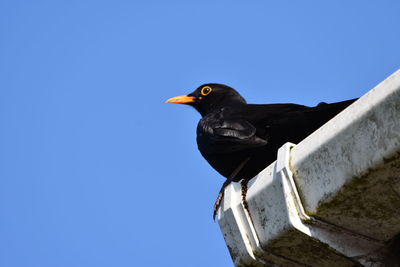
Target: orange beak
{"type": "Point", "coordinates": [184, 99]}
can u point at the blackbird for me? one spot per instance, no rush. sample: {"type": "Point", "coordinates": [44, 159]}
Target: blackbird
{"type": "Point", "coordinates": [239, 140]}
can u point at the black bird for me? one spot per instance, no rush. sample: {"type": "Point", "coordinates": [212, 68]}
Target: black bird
{"type": "Point", "coordinates": [238, 139]}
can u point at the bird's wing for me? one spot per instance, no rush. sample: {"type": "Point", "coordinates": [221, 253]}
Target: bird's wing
{"type": "Point", "coordinates": [228, 136]}
{"type": "Point", "coordinates": [239, 129]}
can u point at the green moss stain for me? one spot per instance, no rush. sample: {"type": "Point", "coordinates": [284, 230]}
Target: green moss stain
{"type": "Point", "coordinates": [369, 200]}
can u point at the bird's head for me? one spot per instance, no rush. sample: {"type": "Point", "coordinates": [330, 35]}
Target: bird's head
{"type": "Point", "coordinates": [209, 97]}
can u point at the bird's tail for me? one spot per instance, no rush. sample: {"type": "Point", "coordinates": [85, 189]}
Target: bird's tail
{"type": "Point", "coordinates": [324, 112]}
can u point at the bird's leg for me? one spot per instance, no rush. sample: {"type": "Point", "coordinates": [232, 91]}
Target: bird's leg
{"type": "Point", "coordinates": [226, 183]}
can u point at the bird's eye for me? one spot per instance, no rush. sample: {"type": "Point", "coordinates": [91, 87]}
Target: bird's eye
{"type": "Point", "coordinates": [205, 90]}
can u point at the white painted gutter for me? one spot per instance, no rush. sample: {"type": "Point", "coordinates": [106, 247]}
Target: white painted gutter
{"type": "Point", "coordinates": [332, 200]}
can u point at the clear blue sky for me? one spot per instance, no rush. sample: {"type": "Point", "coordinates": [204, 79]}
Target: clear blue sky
{"type": "Point", "coordinates": [95, 170]}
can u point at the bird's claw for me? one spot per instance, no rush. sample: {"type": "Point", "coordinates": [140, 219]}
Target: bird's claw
{"type": "Point", "coordinates": [217, 203]}
{"type": "Point", "coordinates": [219, 198]}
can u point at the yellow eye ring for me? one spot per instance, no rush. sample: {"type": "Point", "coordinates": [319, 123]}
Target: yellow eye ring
{"type": "Point", "coordinates": [206, 90]}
